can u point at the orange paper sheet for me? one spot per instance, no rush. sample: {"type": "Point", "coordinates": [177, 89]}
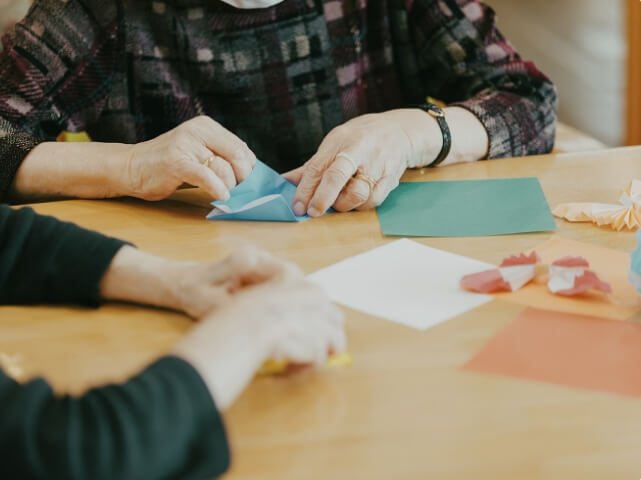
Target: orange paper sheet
{"type": "Point", "coordinates": [574, 350]}
{"type": "Point", "coordinates": [611, 266]}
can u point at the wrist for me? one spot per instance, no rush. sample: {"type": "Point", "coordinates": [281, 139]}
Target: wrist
{"type": "Point", "coordinates": [423, 134]}
{"type": "Point", "coordinates": [139, 277]}
{"type": "Point", "coordinates": [73, 169]}
{"type": "Point", "coordinates": [470, 141]}
{"type": "Point", "coordinates": [226, 352]}
{"type": "Point", "coordinates": [120, 168]}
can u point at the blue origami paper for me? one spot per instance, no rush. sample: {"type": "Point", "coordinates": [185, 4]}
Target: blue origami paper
{"type": "Point", "coordinates": [264, 196]}
{"type": "Point", "coordinates": [635, 265]}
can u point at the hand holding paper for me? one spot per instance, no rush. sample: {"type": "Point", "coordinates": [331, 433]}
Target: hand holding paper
{"type": "Point", "coordinates": [263, 196]}
{"type": "Point", "coordinates": [627, 214]}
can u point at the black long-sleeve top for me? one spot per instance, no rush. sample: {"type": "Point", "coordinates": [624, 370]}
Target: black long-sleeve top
{"type": "Point", "coordinates": [160, 424]}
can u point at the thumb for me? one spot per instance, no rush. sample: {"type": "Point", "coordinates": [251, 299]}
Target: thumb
{"type": "Point", "coordinates": [249, 266]}
{"type": "Point", "coordinates": [200, 176]}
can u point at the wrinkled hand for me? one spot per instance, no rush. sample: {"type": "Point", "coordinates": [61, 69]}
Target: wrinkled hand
{"type": "Point", "coordinates": [360, 162]}
{"type": "Point", "coordinates": [191, 287]}
{"type": "Point", "coordinates": [283, 319]}
{"type": "Point", "coordinates": [199, 152]}
{"type": "Point", "coordinates": [199, 289]}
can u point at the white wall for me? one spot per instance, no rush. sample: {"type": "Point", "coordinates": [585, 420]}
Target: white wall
{"type": "Point", "coordinates": [580, 44]}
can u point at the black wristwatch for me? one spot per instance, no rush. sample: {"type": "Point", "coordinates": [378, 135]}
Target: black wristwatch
{"type": "Point", "coordinates": [437, 112]}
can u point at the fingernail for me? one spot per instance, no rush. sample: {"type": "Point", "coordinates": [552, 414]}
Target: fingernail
{"type": "Point", "coordinates": [299, 209]}
{"type": "Point", "coordinates": [313, 212]}
{"type": "Point", "coordinates": [226, 196]}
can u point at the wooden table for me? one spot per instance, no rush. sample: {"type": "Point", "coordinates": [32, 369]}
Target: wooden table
{"type": "Point", "coordinates": [403, 410]}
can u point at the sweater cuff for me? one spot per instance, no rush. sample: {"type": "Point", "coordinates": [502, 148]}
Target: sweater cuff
{"type": "Point", "coordinates": [15, 145]}
{"type": "Point", "coordinates": [87, 256]}
{"type": "Point", "coordinates": [511, 130]}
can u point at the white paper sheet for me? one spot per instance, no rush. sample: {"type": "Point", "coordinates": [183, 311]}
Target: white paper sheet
{"type": "Point", "coordinates": [405, 282]}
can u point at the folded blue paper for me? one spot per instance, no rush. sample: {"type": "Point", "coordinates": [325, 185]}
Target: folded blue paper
{"type": "Point", "coordinates": [635, 265]}
{"type": "Point", "coordinates": [264, 196]}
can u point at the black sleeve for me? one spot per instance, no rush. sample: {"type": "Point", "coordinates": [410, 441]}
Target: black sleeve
{"type": "Point", "coordinates": [43, 260]}
{"type": "Point", "coordinates": [160, 424]}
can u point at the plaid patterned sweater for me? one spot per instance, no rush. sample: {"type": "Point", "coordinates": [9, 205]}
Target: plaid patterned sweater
{"type": "Point", "coordinates": [280, 78]}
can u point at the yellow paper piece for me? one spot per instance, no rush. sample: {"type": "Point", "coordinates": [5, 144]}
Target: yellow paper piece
{"type": "Point", "coordinates": [74, 137]}
{"type": "Point", "coordinates": [275, 367]}
{"type": "Point", "coordinates": [626, 214]}
{"type": "Point", "coordinates": [611, 266]}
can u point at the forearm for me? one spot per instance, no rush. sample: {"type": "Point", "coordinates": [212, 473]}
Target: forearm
{"type": "Point", "coordinates": [140, 277]}
{"type": "Point", "coordinates": [83, 170]}
{"type": "Point", "coordinates": [45, 260]}
{"type": "Point", "coordinates": [226, 351]}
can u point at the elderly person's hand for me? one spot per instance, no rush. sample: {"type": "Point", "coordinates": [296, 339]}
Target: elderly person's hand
{"type": "Point", "coordinates": [198, 289]}
{"type": "Point", "coordinates": [200, 152]}
{"type": "Point", "coordinates": [280, 319]}
{"type": "Point", "coordinates": [360, 162]}
{"type": "Point", "coordinates": [191, 287]}
{"type": "Point", "coordinates": [252, 307]}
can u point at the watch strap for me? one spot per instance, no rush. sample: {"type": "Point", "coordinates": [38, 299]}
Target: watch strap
{"type": "Point", "coordinates": [439, 115]}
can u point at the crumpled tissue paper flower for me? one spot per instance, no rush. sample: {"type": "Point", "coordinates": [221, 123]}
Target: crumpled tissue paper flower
{"type": "Point", "coordinates": [567, 276]}
{"type": "Point", "coordinates": [626, 214]}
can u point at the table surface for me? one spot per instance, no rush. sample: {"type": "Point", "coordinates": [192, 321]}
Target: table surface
{"type": "Point", "coordinates": [404, 410]}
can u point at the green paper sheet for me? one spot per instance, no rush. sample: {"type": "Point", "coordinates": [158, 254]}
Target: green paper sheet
{"type": "Point", "coordinates": [466, 208]}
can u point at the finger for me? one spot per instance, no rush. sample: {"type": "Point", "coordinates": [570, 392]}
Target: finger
{"type": "Point", "coordinates": [334, 179]}
{"type": "Point", "coordinates": [201, 176]}
{"type": "Point", "coordinates": [294, 176]}
{"type": "Point", "coordinates": [223, 170]}
{"type": "Point", "coordinates": [355, 193]}
{"type": "Point", "coordinates": [312, 174]}
{"type": "Point", "coordinates": [321, 351]}
{"type": "Point", "coordinates": [378, 196]}
{"type": "Point", "coordinates": [248, 266]}
{"type": "Point", "coordinates": [257, 262]}
{"type": "Point", "coordinates": [381, 190]}
{"type": "Point", "coordinates": [333, 335]}
{"type": "Point", "coordinates": [295, 368]}
{"type": "Point", "coordinates": [337, 337]}
{"type": "Point", "coordinates": [337, 318]}
{"type": "Point", "coordinates": [227, 145]}
{"type": "Point", "coordinates": [272, 270]}
{"type": "Point", "coordinates": [294, 351]}
{"type": "Point", "coordinates": [312, 337]}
